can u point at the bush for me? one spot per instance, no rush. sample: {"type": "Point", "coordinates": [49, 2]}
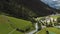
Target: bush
{"type": "Point", "coordinates": [58, 19]}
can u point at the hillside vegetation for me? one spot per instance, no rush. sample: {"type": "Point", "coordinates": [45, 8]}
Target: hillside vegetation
{"type": "Point", "coordinates": [50, 29]}
{"type": "Point", "coordinates": [8, 24]}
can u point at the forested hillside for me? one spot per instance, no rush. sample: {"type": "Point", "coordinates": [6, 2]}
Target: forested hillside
{"type": "Point", "coordinates": [25, 9]}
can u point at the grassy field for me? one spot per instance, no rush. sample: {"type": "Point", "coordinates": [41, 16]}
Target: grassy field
{"type": "Point", "coordinates": [21, 24]}
{"type": "Point", "coordinates": [55, 16]}
{"type": "Point", "coordinates": [6, 28]}
{"type": "Point", "coordinates": [50, 29]}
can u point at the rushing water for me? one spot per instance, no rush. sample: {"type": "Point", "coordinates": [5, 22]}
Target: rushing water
{"type": "Point", "coordinates": [36, 29]}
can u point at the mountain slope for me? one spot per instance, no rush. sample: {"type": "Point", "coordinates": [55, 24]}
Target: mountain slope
{"type": "Point", "coordinates": [10, 25]}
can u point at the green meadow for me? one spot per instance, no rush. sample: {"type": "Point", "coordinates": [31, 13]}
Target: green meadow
{"type": "Point", "coordinates": [7, 28]}
{"type": "Point", "coordinates": [49, 29]}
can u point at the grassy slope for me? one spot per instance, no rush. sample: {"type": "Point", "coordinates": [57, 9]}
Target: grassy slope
{"type": "Point", "coordinates": [5, 26]}
{"type": "Point", "coordinates": [55, 30]}
{"type": "Point", "coordinates": [21, 24]}
{"type": "Point", "coordinates": [55, 16]}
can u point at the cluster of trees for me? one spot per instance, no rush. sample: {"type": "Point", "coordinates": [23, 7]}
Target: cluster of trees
{"type": "Point", "coordinates": [25, 9]}
{"type": "Point", "coordinates": [17, 9]}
